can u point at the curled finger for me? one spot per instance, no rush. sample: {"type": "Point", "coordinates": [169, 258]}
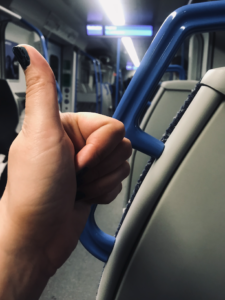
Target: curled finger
{"type": "Point", "coordinates": [103, 185]}
{"type": "Point", "coordinates": [106, 198]}
{"type": "Point", "coordinates": [113, 161]}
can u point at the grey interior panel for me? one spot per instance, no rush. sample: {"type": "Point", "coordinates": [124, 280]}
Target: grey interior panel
{"type": "Point", "coordinates": [180, 141]}
{"type": "Point", "coordinates": [181, 252]}
{"type": "Point", "coordinates": [165, 105]}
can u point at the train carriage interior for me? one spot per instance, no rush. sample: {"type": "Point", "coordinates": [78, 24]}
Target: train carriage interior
{"type": "Point", "coordinates": [159, 67]}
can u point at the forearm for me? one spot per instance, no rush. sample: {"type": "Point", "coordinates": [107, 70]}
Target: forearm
{"type": "Point", "coordinates": [23, 268]}
{"type": "Point", "coordinates": [21, 277]}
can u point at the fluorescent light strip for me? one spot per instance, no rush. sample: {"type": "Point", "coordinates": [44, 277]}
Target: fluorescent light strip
{"type": "Point", "coordinates": [114, 11]}
{"type": "Point", "coordinates": [128, 30]}
{"type": "Point", "coordinates": [129, 46]}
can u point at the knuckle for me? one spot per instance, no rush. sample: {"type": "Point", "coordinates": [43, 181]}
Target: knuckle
{"type": "Point", "coordinates": [97, 156]}
{"type": "Point", "coordinates": [119, 128]}
{"type": "Point", "coordinates": [127, 147]}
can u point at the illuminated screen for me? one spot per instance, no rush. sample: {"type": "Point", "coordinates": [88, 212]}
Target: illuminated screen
{"type": "Point", "coordinates": [94, 30]}
{"type": "Point", "coordinates": [132, 30]}
{"type": "Point", "coordinates": [130, 66]}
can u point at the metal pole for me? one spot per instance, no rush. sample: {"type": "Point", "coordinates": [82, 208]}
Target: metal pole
{"type": "Point", "coordinates": [96, 83]}
{"type": "Point", "coordinates": [117, 72]}
{"type": "Point", "coordinates": [100, 79]}
{"type": "Point", "coordinates": [76, 73]}
{"type": "Point", "coordinates": [9, 12]}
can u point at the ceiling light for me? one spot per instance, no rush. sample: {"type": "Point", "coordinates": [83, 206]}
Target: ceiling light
{"type": "Point", "coordinates": [129, 46]}
{"type": "Point", "coordinates": [114, 11]}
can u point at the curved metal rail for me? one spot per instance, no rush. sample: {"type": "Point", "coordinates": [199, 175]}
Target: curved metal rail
{"type": "Point", "coordinates": [181, 23]}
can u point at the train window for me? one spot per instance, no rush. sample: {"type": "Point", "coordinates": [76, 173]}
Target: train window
{"type": "Point", "coordinates": [54, 64]}
{"type": "Point", "coordinates": [11, 63]}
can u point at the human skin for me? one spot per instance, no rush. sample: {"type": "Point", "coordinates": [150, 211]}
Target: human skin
{"type": "Point", "coordinates": [40, 221]}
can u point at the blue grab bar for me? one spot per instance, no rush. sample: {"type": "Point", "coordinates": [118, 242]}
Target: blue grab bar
{"type": "Point", "coordinates": [92, 238]}
{"type": "Point", "coordinates": [45, 51]}
{"type": "Point", "coordinates": [117, 72]}
{"type": "Point", "coordinates": [178, 69]}
{"type": "Point", "coordinates": [181, 23]}
{"type": "Point", "coordinates": [100, 79]}
{"type": "Point", "coordinates": [170, 69]}
{"type": "Point", "coordinates": [96, 84]}
{"type": "Point", "coordinates": [106, 88]}
{"type": "Point", "coordinates": [189, 19]}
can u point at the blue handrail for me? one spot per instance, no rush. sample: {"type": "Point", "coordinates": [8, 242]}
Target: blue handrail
{"type": "Point", "coordinates": [170, 69]}
{"type": "Point", "coordinates": [97, 70]}
{"type": "Point", "coordinates": [117, 72]}
{"type": "Point", "coordinates": [76, 83]}
{"type": "Point", "coordinates": [96, 83]}
{"type": "Point", "coordinates": [45, 51]}
{"type": "Point", "coordinates": [100, 79]}
{"type": "Point", "coordinates": [92, 237]}
{"type": "Point", "coordinates": [182, 22]}
{"type": "Point", "coordinates": [178, 69]}
{"type": "Point", "coordinates": [106, 88]}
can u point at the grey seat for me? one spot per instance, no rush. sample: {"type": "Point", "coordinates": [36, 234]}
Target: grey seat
{"type": "Point", "coordinates": [168, 100]}
{"type": "Point", "coordinates": [8, 117]}
{"type": "Point", "coordinates": [8, 123]}
{"type": "Point", "coordinates": [171, 244]}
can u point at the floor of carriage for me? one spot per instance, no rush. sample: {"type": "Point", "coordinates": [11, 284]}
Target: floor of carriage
{"type": "Point", "coordinates": [79, 277]}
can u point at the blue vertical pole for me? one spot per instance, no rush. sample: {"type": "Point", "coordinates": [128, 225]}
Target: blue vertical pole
{"type": "Point", "coordinates": [76, 73]}
{"type": "Point", "coordinates": [117, 73]}
{"type": "Point", "coordinates": [96, 81]}
{"type": "Point", "coordinates": [100, 78]}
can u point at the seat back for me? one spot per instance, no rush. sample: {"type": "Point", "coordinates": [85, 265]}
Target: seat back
{"type": "Point", "coordinates": [171, 244]}
{"type": "Point", "coordinates": [168, 100]}
{"type": "Point", "coordinates": [8, 117]}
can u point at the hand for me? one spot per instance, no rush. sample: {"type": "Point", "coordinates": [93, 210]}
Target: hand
{"type": "Point", "coordinates": [40, 221]}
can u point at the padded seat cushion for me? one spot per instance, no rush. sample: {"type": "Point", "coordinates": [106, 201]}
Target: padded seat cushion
{"type": "Point", "coordinates": [164, 138]}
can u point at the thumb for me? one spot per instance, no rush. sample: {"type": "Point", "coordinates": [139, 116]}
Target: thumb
{"type": "Point", "coordinates": [42, 110]}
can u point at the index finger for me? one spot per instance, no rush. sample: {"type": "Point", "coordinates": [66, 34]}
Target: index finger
{"type": "Point", "coordinates": [98, 136]}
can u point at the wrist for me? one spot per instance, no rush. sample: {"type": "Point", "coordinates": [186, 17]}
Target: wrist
{"type": "Point", "coordinates": [23, 267]}
{"type": "Point", "coordinates": [21, 276]}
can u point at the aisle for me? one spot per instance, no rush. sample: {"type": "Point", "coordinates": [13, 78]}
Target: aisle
{"type": "Point", "coordinates": [79, 277]}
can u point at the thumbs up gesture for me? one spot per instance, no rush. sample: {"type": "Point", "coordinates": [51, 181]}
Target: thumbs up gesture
{"type": "Point", "coordinates": [58, 166]}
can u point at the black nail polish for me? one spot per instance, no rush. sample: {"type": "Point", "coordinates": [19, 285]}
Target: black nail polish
{"type": "Point", "coordinates": [22, 56]}
{"type": "Point", "coordinates": [80, 195]}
